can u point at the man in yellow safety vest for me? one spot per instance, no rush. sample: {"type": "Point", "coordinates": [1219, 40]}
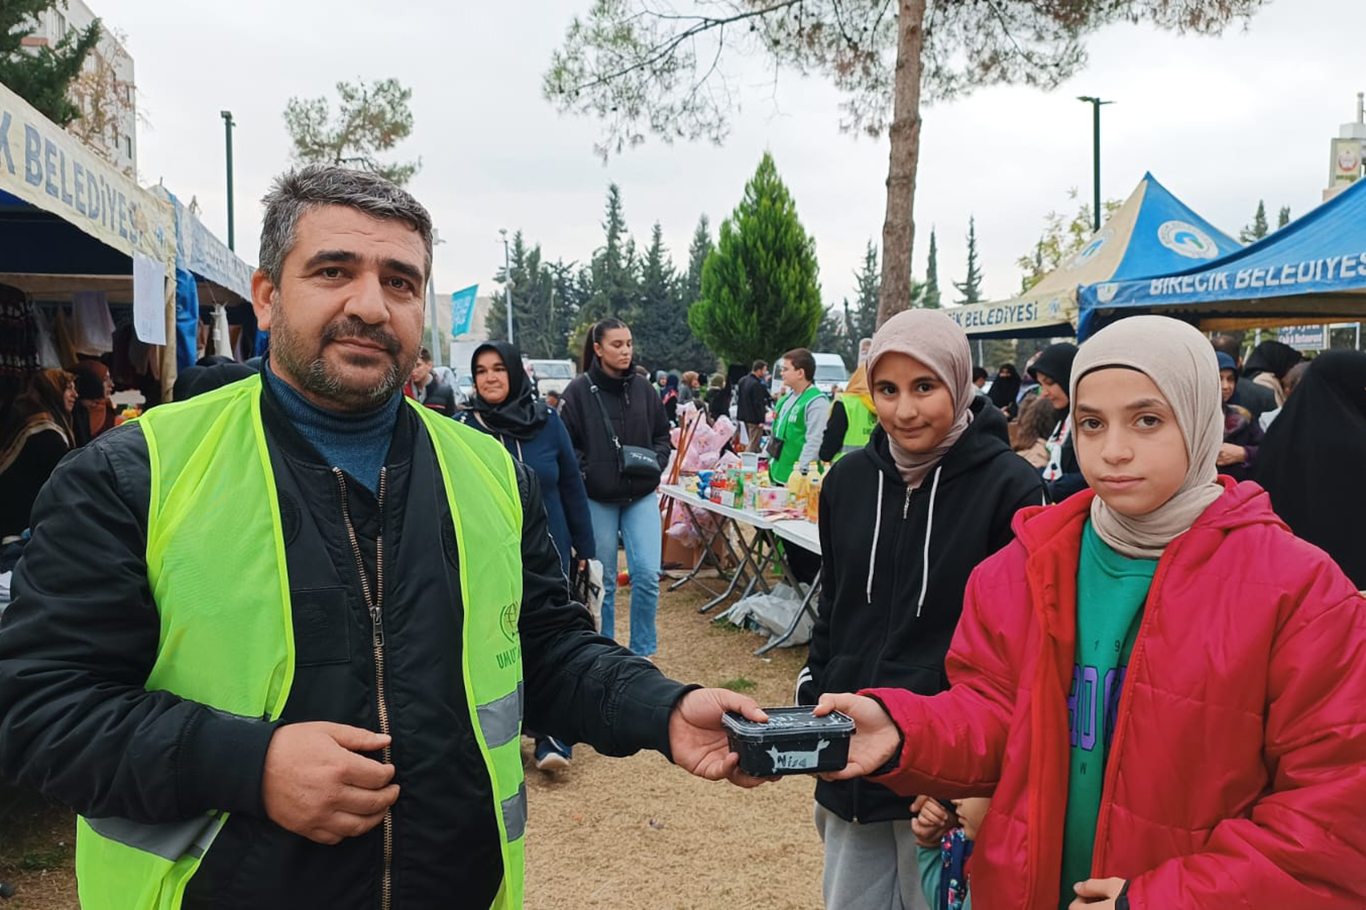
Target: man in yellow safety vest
{"type": "Point", "coordinates": [295, 671]}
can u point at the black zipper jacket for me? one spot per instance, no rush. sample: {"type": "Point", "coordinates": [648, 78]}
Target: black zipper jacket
{"type": "Point", "coordinates": [888, 620]}
{"type": "Point", "coordinates": [77, 643]}
{"type": "Point", "coordinates": [638, 419]}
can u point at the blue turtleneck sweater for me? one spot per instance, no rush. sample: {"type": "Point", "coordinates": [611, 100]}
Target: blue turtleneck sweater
{"type": "Point", "coordinates": [356, 443]}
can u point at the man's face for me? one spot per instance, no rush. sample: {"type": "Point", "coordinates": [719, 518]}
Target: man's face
{"type": "Point", "coordinates": [346, 317]}
{"type": "Point", "coordinates": [421, 371]}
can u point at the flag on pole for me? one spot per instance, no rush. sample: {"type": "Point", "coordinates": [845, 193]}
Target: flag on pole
{"type": "Point", "coordinates": [462, 310]}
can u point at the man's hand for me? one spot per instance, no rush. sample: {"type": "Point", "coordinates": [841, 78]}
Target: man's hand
{"type": "Point", "coordinates": [875, 740]}
{"type": "Point", "coordinates": [698, 741]}
{"type": "Point", "coordinates": [1097, 894]}
{"type": "Point", "coordinates": [1230, 454]}
{"type": "Point", "coordinates": [318, 787]}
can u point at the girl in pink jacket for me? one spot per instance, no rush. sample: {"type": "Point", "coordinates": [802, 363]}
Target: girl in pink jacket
{"type": "Point", "coordinates": [1163, 688]}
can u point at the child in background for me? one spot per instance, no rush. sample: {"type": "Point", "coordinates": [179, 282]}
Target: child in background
{"type": "Point", "coordinates": [903, 522]}
{"type": "Point", "coordinates": [1162, 688]}
{"type": "Point", "coordinates": [945, 840]}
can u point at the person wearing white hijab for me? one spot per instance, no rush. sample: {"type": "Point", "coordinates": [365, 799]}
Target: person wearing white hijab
{"type": "Point", "coordinates": [904, 520]}
{"type": "Point", "coordinates": [1163, 689]}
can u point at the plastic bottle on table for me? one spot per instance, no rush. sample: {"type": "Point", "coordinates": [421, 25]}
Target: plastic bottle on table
{"type": "Point", "coordinates": [813, 497]}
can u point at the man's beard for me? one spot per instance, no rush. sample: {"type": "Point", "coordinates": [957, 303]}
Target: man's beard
{"type": "Point", "coordinates": [312, 372]}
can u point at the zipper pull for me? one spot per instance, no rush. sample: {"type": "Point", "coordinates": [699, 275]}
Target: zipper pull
{"type": "Point", "coordinates": [377, 624]}
{"type": "Point", "coordinates": [906, 507]}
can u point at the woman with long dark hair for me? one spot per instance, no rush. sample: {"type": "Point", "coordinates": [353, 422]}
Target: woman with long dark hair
{"type": "Point", "coordinates": [616, 422]}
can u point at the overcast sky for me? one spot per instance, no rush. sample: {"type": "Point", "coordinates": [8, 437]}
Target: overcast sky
{"type": "Point", "coordinates": [1221, 122]}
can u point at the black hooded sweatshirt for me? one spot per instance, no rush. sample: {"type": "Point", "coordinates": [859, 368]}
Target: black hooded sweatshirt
{"type": "Point", "coordinates": [638, 419]}
{"type": "Point", "coordinates": [888, 621]}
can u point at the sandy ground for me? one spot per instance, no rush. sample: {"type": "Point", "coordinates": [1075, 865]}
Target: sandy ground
{"type": "Point", "coordinates": [622, 833]}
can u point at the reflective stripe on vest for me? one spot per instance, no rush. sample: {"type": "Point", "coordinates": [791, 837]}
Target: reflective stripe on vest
{"type": "Point", "coordinates": [226, 626]}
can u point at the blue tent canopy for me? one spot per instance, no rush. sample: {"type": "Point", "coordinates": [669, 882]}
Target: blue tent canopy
{"type": "Point", "coordinates": [1312, 270]}
{"type": "Point", "coordinates": [1152, 233]}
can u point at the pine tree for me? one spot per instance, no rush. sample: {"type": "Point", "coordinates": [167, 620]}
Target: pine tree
{"type": "Point", "coordinates": [862, 317]}
{"type": "Point", "coordinates": [690, 350]}
{"type": "Point", "coordinates": [932, 275]}
{"type": "Point", "coordinates": [532, 288]}
{"type": "Point", "coordinates": [657, 301]}
{"type": "Point", "coordinates": [832, 334]}
{"type": "Point", "coordinates": [971, 287]}
{"type": "Point", "coordinates": [1284, 218]}
{"type": "Point", "coordinates": [614, 268]}
{"type": "Point", "coordinates": [1258, 228]}
{"type": "Point", "coordinates": [760, 288]}
{"type": "Point", "coordinates": [930, 297]}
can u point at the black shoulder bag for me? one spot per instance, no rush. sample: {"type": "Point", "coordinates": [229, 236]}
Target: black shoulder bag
{"type": "Point", "coordinates": [634, 461]}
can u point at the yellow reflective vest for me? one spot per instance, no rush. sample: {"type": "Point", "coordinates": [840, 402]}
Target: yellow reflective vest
{"type": "Point", "coordinates": [216, 568]}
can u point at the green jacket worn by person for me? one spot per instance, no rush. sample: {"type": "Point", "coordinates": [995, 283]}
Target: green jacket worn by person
{"type": "Point", "coordinates": [298, 673]}
{"type": "Point", "coordinates": [799, 422]}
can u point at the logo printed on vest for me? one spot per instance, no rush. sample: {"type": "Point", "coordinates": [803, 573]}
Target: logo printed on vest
{"type": "Point", "coordinates": [508, 620]}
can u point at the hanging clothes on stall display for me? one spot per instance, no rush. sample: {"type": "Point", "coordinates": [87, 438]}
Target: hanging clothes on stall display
{"type": "Point", "coordinates": [92, 326]}
{"type": "Point", "coordinates": [18, 341]}
{"type": "Point", "coordinates": [186, 319]}
{"type": "Point", "coordinates": [45, 341]}
{"type": "Point", "coordinates": [66, 345]}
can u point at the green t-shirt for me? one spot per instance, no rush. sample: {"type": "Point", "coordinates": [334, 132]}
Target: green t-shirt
{"type": "Point", "coordinates": [1111, 590]}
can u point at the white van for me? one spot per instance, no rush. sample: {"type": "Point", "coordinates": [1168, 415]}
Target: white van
{"type": "Point", "coordinates": [553, 375]}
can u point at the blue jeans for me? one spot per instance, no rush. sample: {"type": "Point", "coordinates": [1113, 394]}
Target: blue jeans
{"type": "Point", "coordinates": [638, 523]}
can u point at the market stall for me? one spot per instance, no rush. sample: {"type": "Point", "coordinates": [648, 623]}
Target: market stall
{"type": "Point", "coordinates": [208, 275]}
{"type": "Point", "coordinates": [1311, 271]}
{"type": "Point", "coordinates": [1152, 233]}
{"type": "Point", "coordinates": [84, 247]}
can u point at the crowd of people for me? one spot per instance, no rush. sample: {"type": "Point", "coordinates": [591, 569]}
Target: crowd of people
{"type": "Point", "coordinates": [1097, 620]}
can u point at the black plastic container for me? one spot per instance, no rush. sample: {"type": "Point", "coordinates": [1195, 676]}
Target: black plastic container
{"type": "Point", "coordinates": [794, 741]}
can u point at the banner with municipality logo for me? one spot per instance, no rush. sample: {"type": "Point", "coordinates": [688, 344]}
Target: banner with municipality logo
{"type": "Point", "coordinates": [462, 310]}
{"type": "Point", "coordinates": [45, 166]}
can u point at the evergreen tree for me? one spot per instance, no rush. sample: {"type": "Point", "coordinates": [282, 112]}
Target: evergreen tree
{"type": "Point", "coordinates": [1284, 218]}
{"type": "Point", "coordinates": [371, 118]}
{"type": "Point", "coordinates": [42, 76]}
{"type": "Point", "coordinates": [658, 301]}
{"type": "Point", "coordinates": [532, 285]}
{"type": "Point", "coordinates": [691, 353]}
{"type": "Point", "coordinates": [971, 287]}
{"type": "Point", "coordinates": [930, 298]}
{"type": "Point", "coordinates": [1258, 228]}
{"type": "Point", "coordinates": [760, 289]}
{"type": "Point", "coordinates": [861, 321]}
{"type": "Point", "coordinates": [832, 334]}
{"type": "Point", "coordinates": [615, 271]}
{"type": "Point", "coordinates": [567, 297]}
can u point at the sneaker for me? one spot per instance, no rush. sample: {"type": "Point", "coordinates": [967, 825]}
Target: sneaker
{"type": "Point", "coordinates": [552, 755]}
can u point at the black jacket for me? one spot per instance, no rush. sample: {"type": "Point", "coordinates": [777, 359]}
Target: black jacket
{"type": "Point", "coordinates": [893, 637]}
{"type": "Point", "coordinates": [79, 640]}
{"type": "Point", "coordinates": [751, 399]}
{"type": "Point", "coordinates": [439, 397]}
{"type": "Point", "coordinates": [1256, 398]}
{"type": "Point", "coordinates": [638, 419]}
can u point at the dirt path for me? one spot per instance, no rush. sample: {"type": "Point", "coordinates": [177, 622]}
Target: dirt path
{"type": "Point", "coordinates": [620, 833]}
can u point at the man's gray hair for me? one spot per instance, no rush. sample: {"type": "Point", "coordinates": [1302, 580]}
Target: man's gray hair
{"type": "Point", "coordinates": [296, 192]}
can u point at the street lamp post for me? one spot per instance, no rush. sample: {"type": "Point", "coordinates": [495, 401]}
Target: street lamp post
{"type": "Point", "coordinates": [431, 290]}
{"type": "Point", "coordinates": [227, 128]}
{"type": "Point", "coordinates": [507, 281]}
{"type": "Point", "coordinates": [1095, 150]}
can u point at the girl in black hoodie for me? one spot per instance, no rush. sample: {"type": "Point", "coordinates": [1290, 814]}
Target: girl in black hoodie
{"type": "Point", "coordinates": [940, 483]}
{"type": "Point", "coordinates": [609, 389]}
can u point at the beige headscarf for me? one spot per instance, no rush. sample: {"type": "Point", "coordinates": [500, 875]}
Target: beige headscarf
{"type": "Point", "coordinates": [938, 342]}
{"type": "Point", "coordinates": [1181, 363]}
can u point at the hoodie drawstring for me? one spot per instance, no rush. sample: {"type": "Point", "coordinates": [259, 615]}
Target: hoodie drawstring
{"type": "Point", "coordinates": [929, 527]}
{"type": "Point", "coordinates": [877, 529]}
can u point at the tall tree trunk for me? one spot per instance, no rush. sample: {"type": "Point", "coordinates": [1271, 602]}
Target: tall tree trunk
{"type": "Point", "coordinates": [898, 228]}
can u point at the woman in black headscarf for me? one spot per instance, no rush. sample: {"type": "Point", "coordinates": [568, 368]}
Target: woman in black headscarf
{"type": "Point", "coordinates": [35, 432]}
{"type": "Point", "coordinates": [1313, 455]}
{"type": "Point", "coordinates": [531, 431]}
{"type": "Point", "coordinates": [1004, 388]}
{"type": "Point", "coordinates": [505, 407]}
{"type": "Point", "coordinates": [1267, 365]}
